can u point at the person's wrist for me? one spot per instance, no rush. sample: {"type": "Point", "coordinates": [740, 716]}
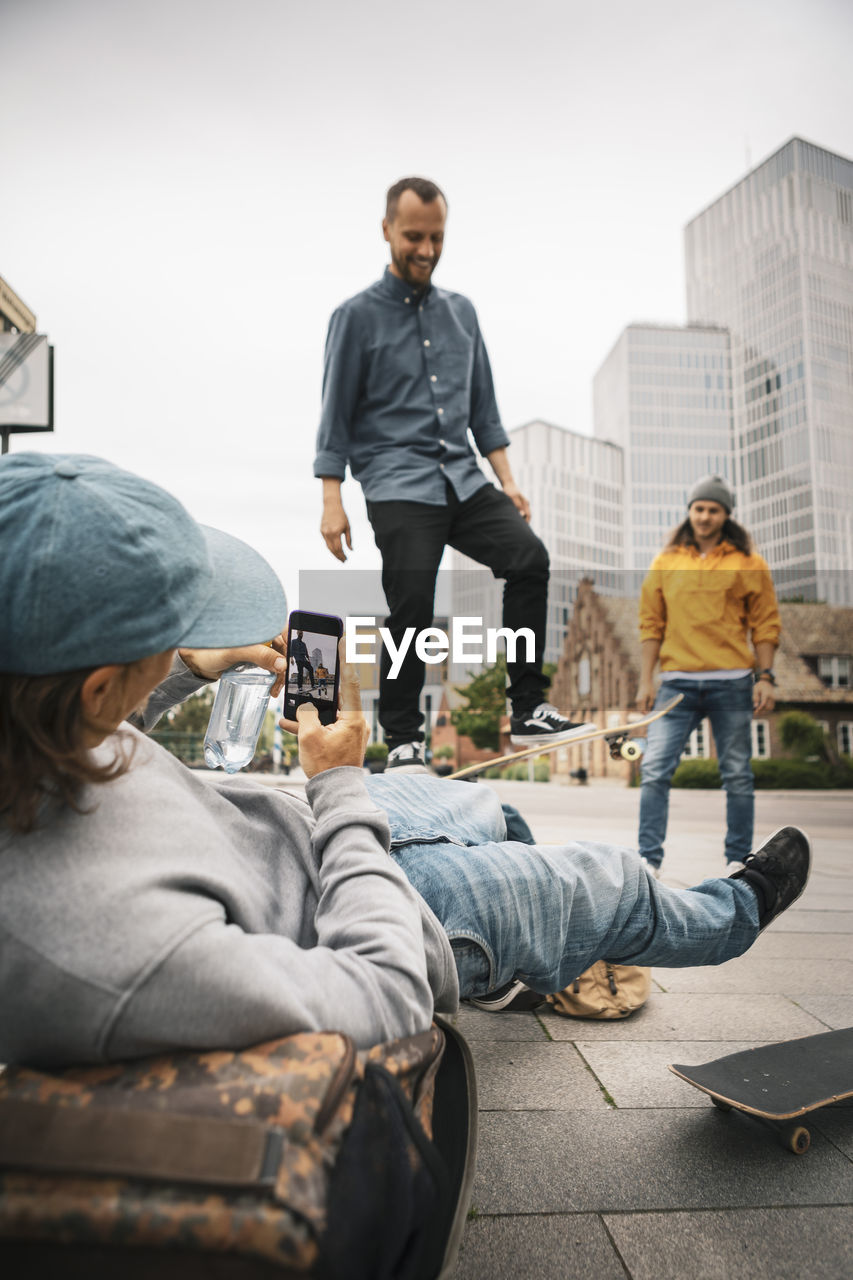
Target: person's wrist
{"type": "Point", "coordinates": [766, 674]}
{"type": "Point", "coordinates": [193, 669]}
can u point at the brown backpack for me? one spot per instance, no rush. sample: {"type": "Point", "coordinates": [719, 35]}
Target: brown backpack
{"type": "Point", "coordinates": [605, 991]}
{"type": "Point", "coordinates": [296, 1158]}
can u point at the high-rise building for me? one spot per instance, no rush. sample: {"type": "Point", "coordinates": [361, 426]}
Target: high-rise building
{"type": "Point", "coordinates": [664, 396]}
{"type": "Point", "coordinates": [574, 484]}
{"type": "Point", "coordinates": [771, 260]}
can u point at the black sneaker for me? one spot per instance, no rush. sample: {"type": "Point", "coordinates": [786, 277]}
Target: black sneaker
{"type": "Point", "coordinates": [409, 754]}
{"type": "Point", "coordinates": [512, 997]}
{"type": "Point", "coordinates": [778, 872]}
{"type": "Point", "coordinates": [545, 724]}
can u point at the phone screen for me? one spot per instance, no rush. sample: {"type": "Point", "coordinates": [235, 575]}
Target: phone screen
{"type": "Point", "coordinates": [313, 667]}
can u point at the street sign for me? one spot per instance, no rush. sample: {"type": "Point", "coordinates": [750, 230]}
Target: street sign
{"type": "Point", "coordinates": [26, 384]}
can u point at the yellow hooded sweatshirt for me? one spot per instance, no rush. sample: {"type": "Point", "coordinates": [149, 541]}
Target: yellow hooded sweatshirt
{"type": "Point", "coordinates": [704, 608]}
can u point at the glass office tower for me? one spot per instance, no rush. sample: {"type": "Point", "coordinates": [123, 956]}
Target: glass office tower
{"type": "Point", "coordinates": [664, 396]}
{"type": "Point", "coordinates": [772, 261]}
{"type": "Point", "coordinates": [574, 484]}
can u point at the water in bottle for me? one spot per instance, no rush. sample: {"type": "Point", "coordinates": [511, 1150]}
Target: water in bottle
{"type": "Point", "coordinates": [238, 713]}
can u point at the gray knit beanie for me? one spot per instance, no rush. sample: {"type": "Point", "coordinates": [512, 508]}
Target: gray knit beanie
{"type": "Point", "coordinates": [713, 489]}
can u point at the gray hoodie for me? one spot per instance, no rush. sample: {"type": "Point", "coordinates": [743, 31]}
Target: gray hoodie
{"type": "Point", "coordinates": [186, 912]}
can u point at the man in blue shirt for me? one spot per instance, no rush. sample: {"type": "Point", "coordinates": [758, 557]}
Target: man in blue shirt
{"type": "Point", "coordinates": [406, 377]}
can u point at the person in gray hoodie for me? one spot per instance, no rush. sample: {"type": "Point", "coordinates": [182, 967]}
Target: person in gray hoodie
{"type": "Point", "coordinates": [145, 908]}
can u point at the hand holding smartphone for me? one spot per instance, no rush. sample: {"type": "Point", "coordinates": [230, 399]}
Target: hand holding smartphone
{"type": "Point", "coordinates": [330, 746]}
{"type": "Point", "coordinates": [313, 664]}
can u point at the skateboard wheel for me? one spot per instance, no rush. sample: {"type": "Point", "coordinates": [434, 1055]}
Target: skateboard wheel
{"type": "Point", "coordinates": [799, 1140]}
{"type": "Point", "coordinates": [720, 1105]}
{"type": "Point", "coordinates": [630, 751]}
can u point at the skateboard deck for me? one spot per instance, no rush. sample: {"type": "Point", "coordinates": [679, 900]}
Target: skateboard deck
{"type": "Point", "coordinates": [622, 744]}
{"type": "Point", "coordinates": [780, 1082]}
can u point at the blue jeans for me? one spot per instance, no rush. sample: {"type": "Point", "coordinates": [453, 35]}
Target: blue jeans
{"type": "Point", "coordinates": [728, 706]}
{"type": "Point", "coordinates": [545, 914]}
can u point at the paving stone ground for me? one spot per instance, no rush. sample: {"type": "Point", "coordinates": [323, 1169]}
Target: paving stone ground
{"type": "Point", "coordinates": [595, 1161]}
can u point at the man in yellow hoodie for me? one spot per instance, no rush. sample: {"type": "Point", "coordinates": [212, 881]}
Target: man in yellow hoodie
{"type": "Point", "coordinates": [708, 612]}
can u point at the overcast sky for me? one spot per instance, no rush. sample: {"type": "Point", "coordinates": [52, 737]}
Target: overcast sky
{"type": "Point", "coordinates": [189, 187]}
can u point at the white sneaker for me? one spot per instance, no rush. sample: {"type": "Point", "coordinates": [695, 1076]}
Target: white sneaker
{"type": "Point", "coordinates": [652, 870]}
{"type": "Point", "coordinates": [410, 754]}
{"type": "Point", "coordinates": [513, 997]}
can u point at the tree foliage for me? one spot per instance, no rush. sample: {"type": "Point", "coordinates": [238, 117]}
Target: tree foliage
{"type": "Point", "coordinates": [801, 734]}
{"type": "Point", "coordinates": [486, 698]}
{"type": "Point", "coordinates": [191, 716]}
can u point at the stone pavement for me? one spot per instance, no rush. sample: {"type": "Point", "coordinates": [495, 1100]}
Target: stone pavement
{"type": "Point", "coordinates": [594, 1160]}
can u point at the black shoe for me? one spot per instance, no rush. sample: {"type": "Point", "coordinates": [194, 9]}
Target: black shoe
{"type": "Point", "coordinates": [512, 997]}
{"type": "Point", "coordinates": [778, 872]}
{"type": "Point", "coordinates": [407, 754]}
{"type": "Point", "coordinates": [545, 724]}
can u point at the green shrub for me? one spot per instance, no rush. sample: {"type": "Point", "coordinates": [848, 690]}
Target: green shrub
{"type": "Point", "coordinates": [444, 753]}
{"type": "Point", "coordinates": [519, 772]}
{"type": "Point", "coordinates": [795, 775]}
{"type": "Point", "coordinates": [770, 775]}
{"type": "Point", "coordinates": [702, 774]}
{"type": "Point", "coordinates": [376, 751]}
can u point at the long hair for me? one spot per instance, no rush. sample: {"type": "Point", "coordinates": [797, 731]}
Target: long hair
{"type": "Point", "coordinates": [43, 755]}
{"type": "Point", "coordinates": [731, 532]}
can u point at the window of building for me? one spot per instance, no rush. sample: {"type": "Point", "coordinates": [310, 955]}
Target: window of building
{"type": "Point", "coordinates": [845, 737]}
{"type": "Point", "coordinates": [696, 747]}
{"type": "Point", "coordinates": [834, 670]}
{"type": "Point", "coordinates": [584, 677]}
{"type": "Point", "coordinates": [760, 739]}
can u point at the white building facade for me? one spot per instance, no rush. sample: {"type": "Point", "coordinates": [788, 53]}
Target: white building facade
{"type": "Point", "coordinates": [772, 261]}
{"type": "Point", "coordinates": [574, 484]}
{"type": "Point", "coordinates": [664, 396]}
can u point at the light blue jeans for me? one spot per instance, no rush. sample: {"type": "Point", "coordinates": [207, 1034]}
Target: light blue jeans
{"type": "Point", "coordinates": [545, 914]}
{"type": "Point", "coordinates": [728, 706]}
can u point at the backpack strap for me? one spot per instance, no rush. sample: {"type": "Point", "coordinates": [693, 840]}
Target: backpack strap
{"type": "Point", "coordinates": [204, 1150]}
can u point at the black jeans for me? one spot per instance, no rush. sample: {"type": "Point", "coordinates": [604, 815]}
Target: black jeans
{"type": "Point", "coordinates": [303, 665]}
{"type": "Point", "coordinates": [411, 537]}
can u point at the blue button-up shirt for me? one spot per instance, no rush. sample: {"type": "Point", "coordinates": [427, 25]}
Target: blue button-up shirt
{"type": "Point", "coordinates": [406, 377]}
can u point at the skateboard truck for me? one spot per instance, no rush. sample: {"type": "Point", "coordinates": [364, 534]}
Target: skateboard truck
{"type": "Point", "coordinates": [623, 747]}
{"type": "Point", "coordinates": [795, 1137]}
{"type": "Point", "coordinates": [779, 1084]}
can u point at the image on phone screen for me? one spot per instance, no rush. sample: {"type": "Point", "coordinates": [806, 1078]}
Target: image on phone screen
{"type": "Point", "coordinates": [313, 673]}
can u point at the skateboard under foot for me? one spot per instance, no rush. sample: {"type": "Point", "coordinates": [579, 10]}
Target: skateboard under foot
{"type": "Point", "coordinates": [620, 739]}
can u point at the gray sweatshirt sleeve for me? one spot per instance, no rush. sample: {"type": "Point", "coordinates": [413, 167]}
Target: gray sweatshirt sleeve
{"type": "Point", "coordinates": [219, 986]}
{"type": "Point", "coordinates": [179, 684]}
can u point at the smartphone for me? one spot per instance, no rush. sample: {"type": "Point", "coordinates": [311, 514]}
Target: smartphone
{"type": "Point", "coordinates": [313, 666]}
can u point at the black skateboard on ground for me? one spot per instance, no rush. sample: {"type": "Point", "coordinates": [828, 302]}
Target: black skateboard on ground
{"type": "Point", "coordinates": [780, 1083]}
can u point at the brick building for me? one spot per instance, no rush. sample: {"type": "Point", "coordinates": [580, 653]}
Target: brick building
{"type": "Point", "coordinates": [599, 668]}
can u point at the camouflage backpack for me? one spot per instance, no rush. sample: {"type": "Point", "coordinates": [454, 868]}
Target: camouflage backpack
{"type": "Point", "coordinates": [295, 1158]}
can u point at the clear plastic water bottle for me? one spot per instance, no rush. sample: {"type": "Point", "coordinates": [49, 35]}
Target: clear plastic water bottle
{"type": "Point", "coordinates": [238, 713]}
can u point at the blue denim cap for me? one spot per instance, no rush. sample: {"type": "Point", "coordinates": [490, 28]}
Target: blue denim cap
{"type": "Point", "coordinates": [100, 566]}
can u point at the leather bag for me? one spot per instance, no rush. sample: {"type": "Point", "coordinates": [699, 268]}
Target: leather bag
{"type": "Point", "coordinates": [605, 991]}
